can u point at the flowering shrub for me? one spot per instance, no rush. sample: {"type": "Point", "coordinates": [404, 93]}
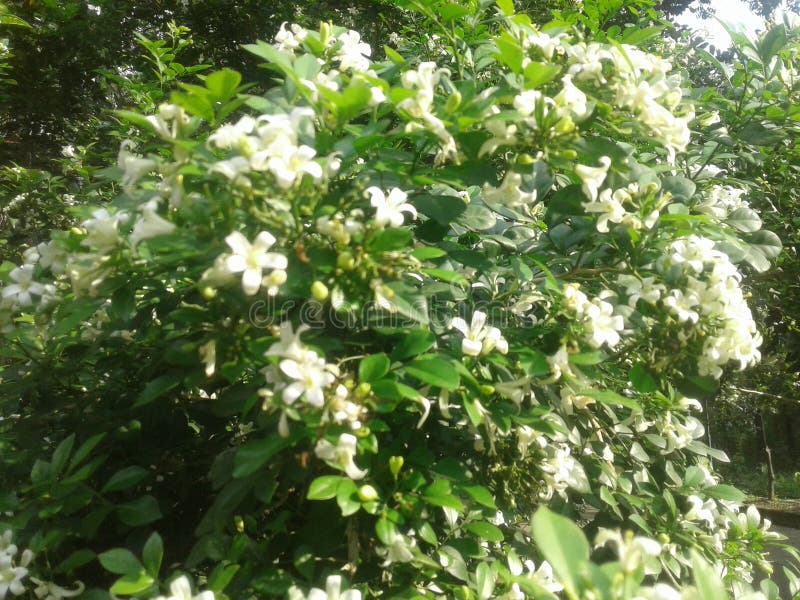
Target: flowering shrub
{"type": "Point", "coordinates": [353, 333]}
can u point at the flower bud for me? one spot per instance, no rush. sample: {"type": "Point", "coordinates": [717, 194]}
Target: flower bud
{"type": "Point", "coordinates": [395, 464]}
{"type": "Point", "coordinates": [319, 290]}
{"type": "Point", "coordinates": [367, 493]}
{"type": "Point", "coordinates": [346, 261]}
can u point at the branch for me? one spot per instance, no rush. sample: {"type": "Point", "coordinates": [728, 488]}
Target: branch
{"type": "Point", "coordinates": [769, 395]}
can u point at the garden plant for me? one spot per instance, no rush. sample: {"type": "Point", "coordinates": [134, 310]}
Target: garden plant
{"type": "Point", "coordinates": [432, 320]}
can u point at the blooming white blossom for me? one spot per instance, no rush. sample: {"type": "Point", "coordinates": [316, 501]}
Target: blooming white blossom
{"type": "Point", "coordinates": [252, 259]}
{"type": "Point", "coordinates": [135, 167]}
{"type": "Point", "coordinates": [560, 470]}
{"type": "Point", "coordinates": [633, 551]}
{"type": "Point", "coordinates": [389, 209]}
{"type": "Point", "coordinates": [332, 591]}
{"type": "Point", "coordinates": [290, 39]}
{"type": "Point", "coordinates": [509, 193]}
{"type": "Point", "coordinates": [341, 455]}
{"type": "Point", "coordinates": [181, 589]}
{"type": "Point", "coordinates": [353, 54]}
{"type": "Point", "coordinates": [593, 177]}
{"type": "Point", "coordinates": [479, 338]}
{"type": "Point", "coordinates": [149, 225]}
{"type": "Point", "coordinates": [23, 288]}
{"type": "Point", "coordinates": [103, 229]}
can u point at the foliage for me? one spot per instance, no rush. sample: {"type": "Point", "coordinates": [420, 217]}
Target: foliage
{"type": "Point", "coordinates": [407, 320]}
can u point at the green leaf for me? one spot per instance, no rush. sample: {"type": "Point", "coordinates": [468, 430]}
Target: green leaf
{"type": "Point", "coordinates": [75, 560]}
{"type": "Point", "coordinates": [485, 530]}
{"type": "Point", "coordinates": [642, 380]}
{"type": "Point", "coordinates": [394, 238]}
{"type": "Point", "coordinates": [324, 488]}
{"type": "Point", "coordinates": [481, 495]}
{"type": "Point", "coordinates": [709, 584]}
{"type": "Point", "coordinates": [477, 217]}
{"type": "Point", "coordinates": [681, 188]}
{"type": "Point", "coordinates": [386, 531]}
{"type": "Point", "coordinates": [726, 492]}
{"type": "Point", "coordinates": [567, 201]}
{"type": "Point", "coordinates": [416, 342]}
{"type": "Point", "coordinates": [434, 371]}
{"type": "Point", "coordinates": [761, 134]}
{"type": "Point", "coordinates": [254, 455]}
{"type": "Point", "coordinates": [744, 219]}
{"type": "Point", "coordinates": [157, 388]}
{"type": "Point", "coordinates": [443, 209]}
{"type": "Point", "coordinates": [221, 576]}
{"type": "Point", "coordinates": [120, 561]}
{"type": "Point", "coordinates": [132, 583]}
{"type": "Point", "coordinates": [484, 580]}
{"type": "Point", "coordinates": [124, 479]}
{"type": "Point", "coordinates": [223, 84]}
{"type": "Point", "coordinates": [153, 553]}
{"type": "Point", "coordinates": [139, 512]}
{"type": "Point", "coordinates": [271, 54]}
{"type": "Point", "coordinates": [562, 544]}
{"type": "Point", "coordinates": [347, 497]}
{"type": "Point", "coordinates": [61, 455]}
{"type": "Point", "coordinates": [613, 398]}
{"type": "Point", "coordinates": [772, 43]}
{"type": "Point", "coordinates": [373, 367]}
{"type": "Point", "coordinates": [537, 74]}
{"type": "Point", "coordinates": [428, 253]}
{"type": "Point", "coordinates": [506, 6]}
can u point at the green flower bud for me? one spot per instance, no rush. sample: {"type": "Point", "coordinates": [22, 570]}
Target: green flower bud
{"type": "Point", "coordinates": [367, 493]}
{"type": "Point", "coordinates": [319, 290]}
{"type": "Point", "coordinates": [346, 261]}
{"type": "Point", "coordinates": [395, 464]}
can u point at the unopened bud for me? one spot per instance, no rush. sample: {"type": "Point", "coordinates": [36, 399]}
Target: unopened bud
{"type": "Point", "coordinates": [319, 290]}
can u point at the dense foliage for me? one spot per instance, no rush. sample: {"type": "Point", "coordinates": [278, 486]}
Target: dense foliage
{"type": "Point", "coordinates": [416, 323]}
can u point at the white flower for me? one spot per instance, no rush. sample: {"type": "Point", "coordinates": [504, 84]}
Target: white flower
{"type": "Point", "coordinates": [234, 135]}
{"type": "Point", "coordinates": [208, 354]}
{"type": "Point", "coordinates": [251, 259]}
{"type": "Point", "coordinates": [47, 590]}
{"type": "Point", "coordinates": [149, 225]}
{"type": "Point", "coordinates": [571, 100]}
{"type": "Point", "coordinates": [103, 229]}
{"type": "Point", "coordinates": [525, 101]}
{"type": "Point", "coordinates": [389, 209]}
{"type": "Point", "coordinates": [353, 53]}
{"type": "Point", "coordinates": [24, 287]}
{"type": "Point", "coordinates": [633, 551]}
{"type": "Point", "coordinates": [478, 337]}
{"type": "Point", "coordinates": [180, 589]}
{"type": "Point", "coordinates": [290, 165]}
{"type": "Point", "coordinates": [11, 574]}
{"type": "Point", "coordinates": [135, 167]}
{"type": "Point", "coordinates": [593, 177]}
{"type": "Point", "coordinates": [290, 39]}
{"type": "Point", "coordinates": [341, 455]}
{"type": "Point", "coordinates": [332, 591]}
{"type": "Point", "coordinates": [399, 549]}
{"type": "Point", "coordinates": [233, 168]}
{"type": "Point", "coordinates": [609, 208]}
{"type": "Point", "coordinates": [68, 151]}
{"type": "Point", "coordinates": [603, 325]}
{"type": "Point", "coordinates": [509, 193]}
{"type": "Point", "coordinates": [310, 374]}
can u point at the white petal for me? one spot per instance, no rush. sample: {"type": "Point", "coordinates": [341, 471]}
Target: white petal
{"type": "Point", "coordinates": [251, 281]}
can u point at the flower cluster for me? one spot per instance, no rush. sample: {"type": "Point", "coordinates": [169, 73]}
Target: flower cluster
{"type": "Point", "coordinates": [712, 294]}
{"type": "Point", "coordinates": [300, 372]}
{"type": "Point", "coordinates": [252, 260]}
{"type": "Point", "coordinates": [269, 143]}
{"type": "Point", "coordinates": [596, 317]}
